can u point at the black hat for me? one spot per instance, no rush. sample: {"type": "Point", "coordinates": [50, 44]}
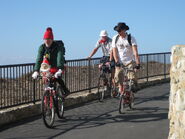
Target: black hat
{"type": "Point", "coordinates": [121, 26]}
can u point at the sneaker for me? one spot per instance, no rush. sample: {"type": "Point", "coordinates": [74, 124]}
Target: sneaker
{"type": "Point", "coordinates": [66, 93]}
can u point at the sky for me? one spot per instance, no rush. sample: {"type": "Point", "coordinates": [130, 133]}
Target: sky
{"type": "Point", "coordinates": [157, 25]}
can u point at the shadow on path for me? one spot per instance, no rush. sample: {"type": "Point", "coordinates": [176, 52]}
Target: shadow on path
{"type": "Point", "coordinates": [97, 114]}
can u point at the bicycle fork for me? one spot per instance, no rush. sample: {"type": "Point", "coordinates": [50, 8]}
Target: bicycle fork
{"type": "Point", "coordinates": [51, 102]}
{"type": "Point", "coordinates": [49, 99]}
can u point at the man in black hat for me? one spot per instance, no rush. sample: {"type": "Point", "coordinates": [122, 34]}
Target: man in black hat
{"type": "Point", "coordinates": [125, 53]}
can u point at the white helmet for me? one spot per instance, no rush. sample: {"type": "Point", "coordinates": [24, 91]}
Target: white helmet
{"type": "Point", "coordinates": [103, 33]}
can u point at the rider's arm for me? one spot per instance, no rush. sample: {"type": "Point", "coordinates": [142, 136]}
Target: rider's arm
{"type": "Point", "coordinates": [115, 54]}
{"type": "Point", "coordinates": [111, 55]}
{"type": "Point", "coordinates": [39, 58]}
{"type": "Point", "coordinates": [97, 46]}
{"type": "Point", "coordinates": [93, 52]}
{"type": "Point", "coordinates": [115, 50]}
{"type": "Point", "coordinates": [135, 51]}
{"type": "Point", "coordinates": [60, 59]}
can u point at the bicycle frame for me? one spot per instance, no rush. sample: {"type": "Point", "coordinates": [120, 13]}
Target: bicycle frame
{"type": "Point", "coordinates": [52, 102]}
{"type": "Point", "coordinates": [49, 85]}
{"type": "Point", "coordinates": [127, 97]}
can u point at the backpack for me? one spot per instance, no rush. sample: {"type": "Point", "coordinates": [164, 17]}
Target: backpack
{"type": "Point", "coordinates": [128, 38]}
{"type": "Point", "coordinates": [61, 44]}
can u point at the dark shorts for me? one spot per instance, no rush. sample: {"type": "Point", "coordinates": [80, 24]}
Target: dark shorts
{"type": "Point", "coordinates": [112, 64]}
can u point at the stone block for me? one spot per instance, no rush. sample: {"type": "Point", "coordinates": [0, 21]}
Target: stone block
{"type": "Point", "coordinates": [176, 113]}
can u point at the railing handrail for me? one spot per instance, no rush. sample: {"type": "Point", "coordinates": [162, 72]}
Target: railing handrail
{"type": "Point", "coordinates": [76, 60]}
{"type": "Point", "coordinates": [155, 53]}
{"type": "Point", "coordinates": [16, 65]}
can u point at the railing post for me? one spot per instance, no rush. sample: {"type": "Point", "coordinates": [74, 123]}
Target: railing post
{"type": "Point", "coordinates": [147, 67]}
{"type": "Point", "coordinates": [1, 94]}
{"type": "Point", "coordinates": [89, 72]}
{"type": "Point", "coordinates": [164, 65]}
{"type": "Point", "coordinates": [65, 74]}
{"type": "Point", "coordinates": [34, 89]}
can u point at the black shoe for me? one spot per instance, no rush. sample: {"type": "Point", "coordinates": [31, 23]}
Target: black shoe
{"type": "Point", "coordinates": [66, 93]}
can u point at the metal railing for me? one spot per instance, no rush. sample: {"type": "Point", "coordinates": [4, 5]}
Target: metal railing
{"type": "Point", "coordinates": [17, 87]}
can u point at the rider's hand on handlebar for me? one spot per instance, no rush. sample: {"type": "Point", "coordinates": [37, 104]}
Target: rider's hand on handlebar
{"type": "Point", "coordinates": [58, 73]}
{"type": "Point", "coordinates": [137, 66]}
{"type": "Point", "coordinates": [35, 75]}
{"type": "Point", "coordinates": [117, 64]}
{"type": "Point", "coordinates": [88, 57]}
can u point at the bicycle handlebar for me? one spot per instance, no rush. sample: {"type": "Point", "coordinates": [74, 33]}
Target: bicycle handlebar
{"type": "Point", "coordinates": [40, 77]}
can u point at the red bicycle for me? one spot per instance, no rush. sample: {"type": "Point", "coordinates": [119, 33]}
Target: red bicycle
{"type": "Point", "coordinates": [52, 100]}
{"type": "Point", "coordinates": [127, 98]}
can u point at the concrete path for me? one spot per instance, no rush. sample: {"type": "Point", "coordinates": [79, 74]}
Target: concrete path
{"type": "Point", "coordinates": [97, 120]}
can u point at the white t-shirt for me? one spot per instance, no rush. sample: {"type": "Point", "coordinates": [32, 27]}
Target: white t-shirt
{"type": "Point", "coordinates": [106, 47]}
{"type": "Point", "coordinates": [125, 52]}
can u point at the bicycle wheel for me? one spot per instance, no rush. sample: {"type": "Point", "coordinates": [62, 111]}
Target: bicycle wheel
{"type": "Point", "coordinates": [131, 105]}
{"type": "Point", "coordinates": [59, 103]}
{"type": "Point", "coordinates": [48, 111]}
{"type": "Point", "coordinates": [101, 89]}
{"type": "Point", "coordinates": [110, 87]}
{"type": "Point", "coordinates": [121, 104]}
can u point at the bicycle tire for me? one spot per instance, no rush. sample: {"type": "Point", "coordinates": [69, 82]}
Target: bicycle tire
{"type": "Point", "coordinates": [131, 104]}
{"type": "Point", "coordinates": [111, 87]}
{"type": "Point", "coordinates": [59, 103]}
{"type": "Point", "coordinates": [48, 110]}
{"type": "Point", "coordinates": [101, 90]}
{"type": "Point", "coordinates": [121, 104]}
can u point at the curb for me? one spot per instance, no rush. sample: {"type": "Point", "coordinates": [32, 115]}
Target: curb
{"type": "Point", "coordinates": [18, 113]}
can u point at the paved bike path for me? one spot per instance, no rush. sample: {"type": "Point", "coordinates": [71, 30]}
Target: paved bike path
{"type": "Point", "coordinates": [97, 120]}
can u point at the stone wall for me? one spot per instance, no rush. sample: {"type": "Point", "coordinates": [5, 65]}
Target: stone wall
{"type": "Point", "coordinates": [177, 93]}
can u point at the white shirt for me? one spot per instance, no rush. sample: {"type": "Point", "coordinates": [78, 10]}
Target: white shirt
{"type": "Point", "coordinates": [125, 52]}
{"type": "Point", "coordinates": [106, 47]}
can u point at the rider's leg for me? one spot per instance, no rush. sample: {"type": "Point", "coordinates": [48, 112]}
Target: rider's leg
{"type": "Point", "coordinates": [61, 82]}
{"type": "Point", "coordinates": [115, 92]}
{"type": "Point", "coordinates": [112, 76]}
{"type": "Point", "coordinates": [132, 75]}
{"type": "Point", "coordinates": [119, 78]}
{"type": "Point", "coordinates": [121, 88]}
